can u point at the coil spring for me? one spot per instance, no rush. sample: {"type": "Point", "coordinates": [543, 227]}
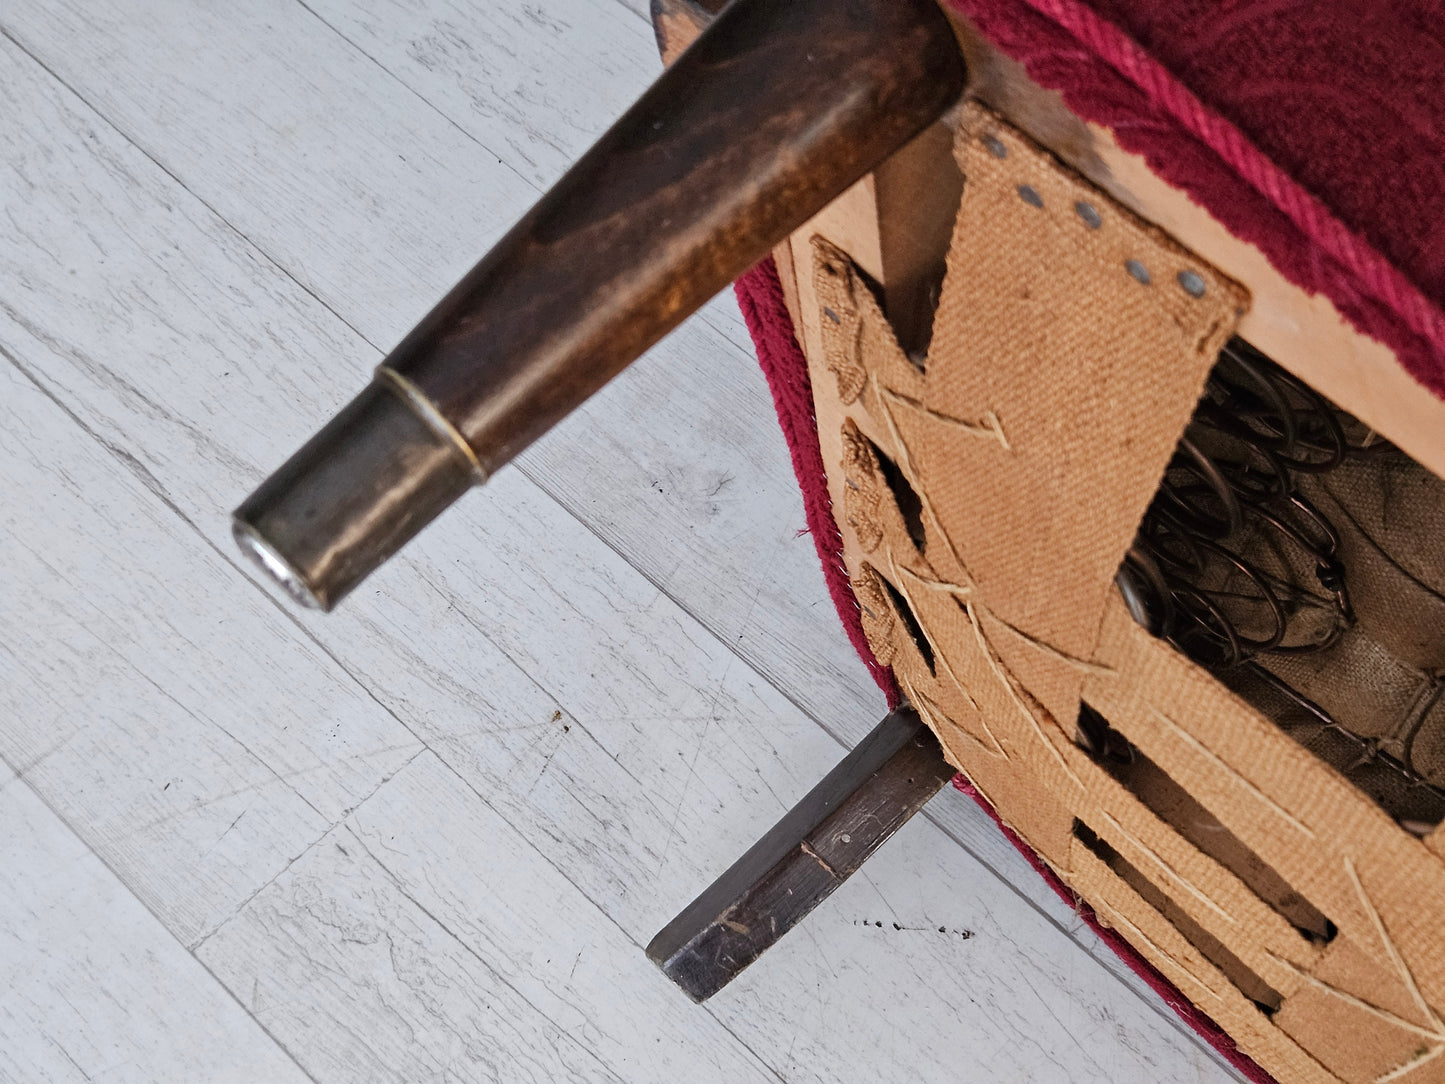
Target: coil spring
{"type": "Point", "coordinates": [1195, 575]}
{"type": "Point", "coordinates": [1232, 479]}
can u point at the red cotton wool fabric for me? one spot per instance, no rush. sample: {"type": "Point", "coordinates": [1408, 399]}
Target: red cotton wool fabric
{"type": "Point", "coordinates": [1314, 131]}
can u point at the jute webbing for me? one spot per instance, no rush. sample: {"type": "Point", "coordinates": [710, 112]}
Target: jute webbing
{"type": "Point", "coordinates": [988, 497]}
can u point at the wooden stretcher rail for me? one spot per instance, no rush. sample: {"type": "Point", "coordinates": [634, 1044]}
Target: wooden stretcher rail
{"type": "Point", "coordinates": [822, 841]}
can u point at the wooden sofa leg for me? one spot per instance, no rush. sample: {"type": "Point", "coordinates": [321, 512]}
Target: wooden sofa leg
{"type": "Point", "coordinates": [804, 857]}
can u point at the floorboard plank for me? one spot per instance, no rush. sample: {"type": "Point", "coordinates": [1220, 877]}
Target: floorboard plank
{"type": "Point", "coordinates": [379, 961]}
{"type": "Point", "coordinates": [379, 208]}
{"type": "Point", "coordinates": [197, 769]}
{"type": "Point", "coordinates": [97, 989]}
{"type": "Point", "coordinates": [378, 202]}
{"type": "Point", "coordinates": [361, 206]}
{"type": "Point", "coordinates": [320, 930]}
{"type": "Point", "coordinates": [605, 724]}
{"type": "Point", "coordinates": [618, 848]}
{"type": "Point", "coordinates": [686, 488]}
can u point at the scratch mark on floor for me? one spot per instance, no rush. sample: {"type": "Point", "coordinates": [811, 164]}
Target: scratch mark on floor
{"type": "Point", "coordinates": [692, 767]}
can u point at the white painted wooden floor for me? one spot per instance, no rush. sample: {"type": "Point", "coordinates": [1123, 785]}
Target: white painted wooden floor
{"type": "Point", "coordinates": [425, 837]}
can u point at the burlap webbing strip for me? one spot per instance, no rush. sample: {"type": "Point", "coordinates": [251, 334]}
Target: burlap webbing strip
{"type": "Point", "coordinates": [1206, 891]}
{"type": "Point", "coordinates": [1091, 372]}
{"type": "Point", "coordinates": [1196, 977]}
{"type": "Point", "coordinates": [1383, 888]}
{"type": "Point", "coordinates": [1376, 1051]}
{"type": "Point", "coordinates": [1033, 436]}
{"type": "Point", "coordinates": [1044, 792]}
{"type": "Point", "coordinates": [1057, 385]}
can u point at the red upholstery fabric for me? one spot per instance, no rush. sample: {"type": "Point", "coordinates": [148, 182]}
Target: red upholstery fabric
{"type": "Point", "coordinates": [1347, 98]}
{"type": "Point", "coordinates": [1313, 130]}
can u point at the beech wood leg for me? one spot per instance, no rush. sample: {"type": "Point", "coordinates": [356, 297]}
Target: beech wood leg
{"type": "Point", "coordinates": [821, 841]}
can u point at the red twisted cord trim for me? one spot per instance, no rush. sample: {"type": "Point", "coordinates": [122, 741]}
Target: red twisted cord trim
{"type": "Point", "coordinates": [1107, 78]}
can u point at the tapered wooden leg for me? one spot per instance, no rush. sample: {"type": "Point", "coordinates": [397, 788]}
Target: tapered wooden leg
{"type": "Point", "coordinates": [810, 852]}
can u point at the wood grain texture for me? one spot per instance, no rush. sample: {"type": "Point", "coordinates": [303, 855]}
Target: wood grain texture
{"type": "Point", "coordinates": [198, 770]}
{"type": "Point", "coordinates": [715, 164]}
{"type": "Point", "coordinates": [682, 486]}
{"type": "Point", "coordinates": [717, 161]}
{"type": "Point", "coordinates": [677, 23]}
{"type": "Point", "coordinates": [536, 643]}
{"type": "Point", "coordinates": [682, 490]}
{"type": "Point", "coordinates": [816, 846]}
{"type": "Point", "coordinates": [95, 988]}
{"type": "Point", "coordinates": [508, 977]}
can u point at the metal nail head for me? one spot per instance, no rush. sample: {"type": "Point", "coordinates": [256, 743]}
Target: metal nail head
{"type": "Point", "coordinates": [1192, 282]}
